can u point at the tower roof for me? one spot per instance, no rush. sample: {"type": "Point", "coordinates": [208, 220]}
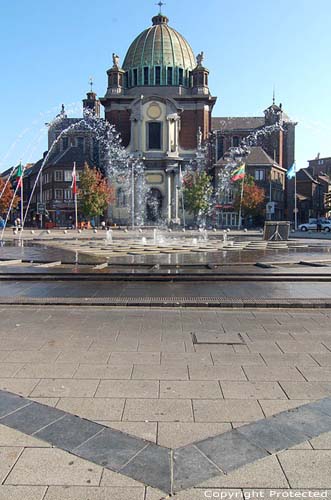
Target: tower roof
{"type": "Point", "coordinates": [159, 45]}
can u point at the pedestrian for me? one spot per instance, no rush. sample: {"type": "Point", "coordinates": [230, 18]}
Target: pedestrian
{"type": "Point", "coordinates": [319, 225]}
{"type": "Point", "coordinates": [103, 225]}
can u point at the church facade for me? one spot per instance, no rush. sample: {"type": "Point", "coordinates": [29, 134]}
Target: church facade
{"type": "Point", "coordinates": [159, 101]}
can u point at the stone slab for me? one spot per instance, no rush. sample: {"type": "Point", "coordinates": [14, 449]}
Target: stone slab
{"type": "Point", "coordinates": [110, 448]}
{"type": "Point", "coordinates": [10, 402]}
{"type": "Point", "coordinates": [230, 450]}
{"type": "Point", "coordinates": [157, 410]}
{"type": "Point", "coordinates": [191, 468]}
{"type": "Point", "coordinates": [31, 418]}
{"type": "Point", "coordinates": [151, 466]}
{"type": "Point", "coordinates": [69, 432]}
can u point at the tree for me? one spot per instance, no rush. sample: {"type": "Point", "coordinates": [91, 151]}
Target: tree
{"type": "Point", "coordinates": [95, 193]}
{"type": "Point", "coordinates": [253, 200]}
{"type": "Point", "coordinates": [197, 193]}
{"type": "Point", "coordinates": [7, 197]}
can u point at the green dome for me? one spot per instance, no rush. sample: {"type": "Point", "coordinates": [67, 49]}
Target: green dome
{"type": "Point", "coordinates": [159, 56]}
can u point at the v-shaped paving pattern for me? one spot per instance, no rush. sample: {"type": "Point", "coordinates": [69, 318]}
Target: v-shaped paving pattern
{"type": "Point", "coordinates": [157, 466]}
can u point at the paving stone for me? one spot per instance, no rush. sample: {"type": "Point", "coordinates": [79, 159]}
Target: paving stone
{"type": "Point", "coordinates": [134, 358]}
{"type": "Point", "coordinates": [93, 408]}
{"type": "Point", "coordinates": [271, 407]}
{"type": "Point", "coordinates": [277, 360]}
{"type": "Point", "coordinates": [128, 389]}
{"type": "Point", "coordinates": [47, 370]}
{"type": "Point", "coordinates": [237, 359]}
{"type": "Point", "coordinates": [65, 388]}
{"type": "Point", "coordinates": [178, 434]}
{"type": "Point", "coordinates": [323, 359]}
{"type": "Point", "coordinates": [268, 373]}
{"type": "Point", "coordinates": [188, 357]}
{"type": "Point", "coordinates": [91, 356]}
{"type": "Point", "coordinates": [230, 450]}
{"type": "Point", "coordinates": [226, 411]}
{"type": "Point", "coordinates": [69, 432]}
{"type": "Point", "coordinates": [32, 356]}
{"type": "Point", "coordinates": [158, 410]}
{"type": "Point", "coordinates": [143, 430]}
{"type": "Point", "coordinates": [265, 473]}
{"type": "Point", "coordinates": [110, 448]}
{"type": "Point", "coordinates": [110, 478]}
{"type": "Point", "coordinates": [104, 372]}
{"type": "Point", "coordinates": [190, 389]}
{"type": "Point", "coordinates": [9, 369]}
{"type": "Point", "coordinates": [150, 346]}
{"type": "Point", "coordinates": [46, 401]}
{"type": "Point", "coordinates": [12, 437]}
{"type": "Point", "coordinates": [50, 466]}
{"type": "Point", "coordinates": [314, 374]}
{"type": "Point", "coordinates": [31, 418]}
{"type": "Point", "coordinates": [307, 469]}
{"type": "Point", "coordinates": [20, 386]}
{"type": "Point", "coordinates": [217, 372]}
{"type": "Point", "coordinates": [22, 492]}
{"type": "Point", "coordinates": [160, 372]}
{"type": "Point", "coordinates": [191, 468]}
{"type": "Point", "coordinates": [306, 390]}
{"type": "Point", "coordinates": [10, 402]}
{"type": "Point", "coordinates": [8, 457]}
{"type": "Point", "coordinates": [93, 493]}
{"type": "Point", "coordinates": [267, 347]}
{"type": "Point", "coordinates": [322, 442]}
{"type": "Point", "coordinates": [152, 466]}
{"type": "Point", "coordinates": [252, 390]}
{"type": "Point", "coordinates": [297, 346]}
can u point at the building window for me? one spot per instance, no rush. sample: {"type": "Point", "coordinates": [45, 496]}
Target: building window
{"type": "Point", "coordinates": [146, 76]}
{"type": "Point", "coordinates": [67, 194]}
{"type": "Point", "coordinates": [154, 135]}
{"type": "Point", "coordinates": [73, 141]}
{"type": "Point", "coordinates": [220, 146]}
{"type": "Point", "coordinates": [120, 198]}
{"type": "Point", "coordinates": [80, 142]}
{"type": "Point", "coordinates": [59, 194]}
{"type": "Point", "coordinates": [169, 76]}
{"type": "Point", "coordinates": [180, 76]}
{"type": "Point", "coordinates": [235, 142]}
{"type": "Point", "coordinates": [135, 77]}
{"type": "Point", "coordinates": [157, 75]}
{"type": "Point", "coordinates": [68, 175]}
{"type": "Point", "coordinates": [58, 175]}
{"type": "Point", "coordinates": [259, 175]}
{"type": "Point", "coordinates": [65, 143]}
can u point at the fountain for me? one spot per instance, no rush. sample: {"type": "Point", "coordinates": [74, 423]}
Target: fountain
{"type": "Point", "coordinates": [109, 237]}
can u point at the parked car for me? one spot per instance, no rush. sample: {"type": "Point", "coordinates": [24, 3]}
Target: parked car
{"type": "Point", "coordinates": [311, 226]}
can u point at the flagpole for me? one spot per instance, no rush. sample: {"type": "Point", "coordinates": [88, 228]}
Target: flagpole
{"type": "Point", "coordinates": [75, 194]}
{"type": "Point", "coordinates": [295, 199]}
{"type": "Point", "coordinates": [22, 198]}
{"type": "Point", "coordinates": [241, 200]}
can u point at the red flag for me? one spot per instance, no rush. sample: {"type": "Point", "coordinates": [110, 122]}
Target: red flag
{"type": "Point", "coordinates": [74, 181]}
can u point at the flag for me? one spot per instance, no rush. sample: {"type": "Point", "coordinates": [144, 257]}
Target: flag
{"type": "Point", "coordinates": [19, 175]}
{"type": "Point", "coordinates": [74, 181]}
{"type": "Point", "coordinates": [238, 173]}
{"type": "Point", "coordinates": [291, 171]}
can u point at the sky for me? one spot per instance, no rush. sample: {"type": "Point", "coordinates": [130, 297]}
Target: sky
{"type": "Point", "coordinates": [50, 49]}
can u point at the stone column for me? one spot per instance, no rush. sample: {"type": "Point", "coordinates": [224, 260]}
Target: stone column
{"type": "Point", "coordinates": [169, 196]}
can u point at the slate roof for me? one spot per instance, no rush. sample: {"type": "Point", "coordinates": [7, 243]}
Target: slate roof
{"type": "Point", "coordinates": [258, 157]}
{"type": "Point", "coordinates": [227, 123]}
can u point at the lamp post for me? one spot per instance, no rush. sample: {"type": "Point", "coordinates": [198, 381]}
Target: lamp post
{"type": "Point", "coordinates": [132, 195]}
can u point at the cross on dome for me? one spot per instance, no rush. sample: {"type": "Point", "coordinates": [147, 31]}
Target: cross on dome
{"type": "Point", "coordinates": [160, 4]}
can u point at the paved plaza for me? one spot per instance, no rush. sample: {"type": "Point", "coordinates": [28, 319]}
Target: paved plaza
{"type": "Point", "coordinates": [168, 378]}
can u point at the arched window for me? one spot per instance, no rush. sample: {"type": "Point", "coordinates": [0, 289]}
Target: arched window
{"type": "Point", "coordinates": [120, 198]}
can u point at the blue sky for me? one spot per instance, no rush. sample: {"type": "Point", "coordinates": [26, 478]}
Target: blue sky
{"type": "Point", "coordinates": [49, 50]}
